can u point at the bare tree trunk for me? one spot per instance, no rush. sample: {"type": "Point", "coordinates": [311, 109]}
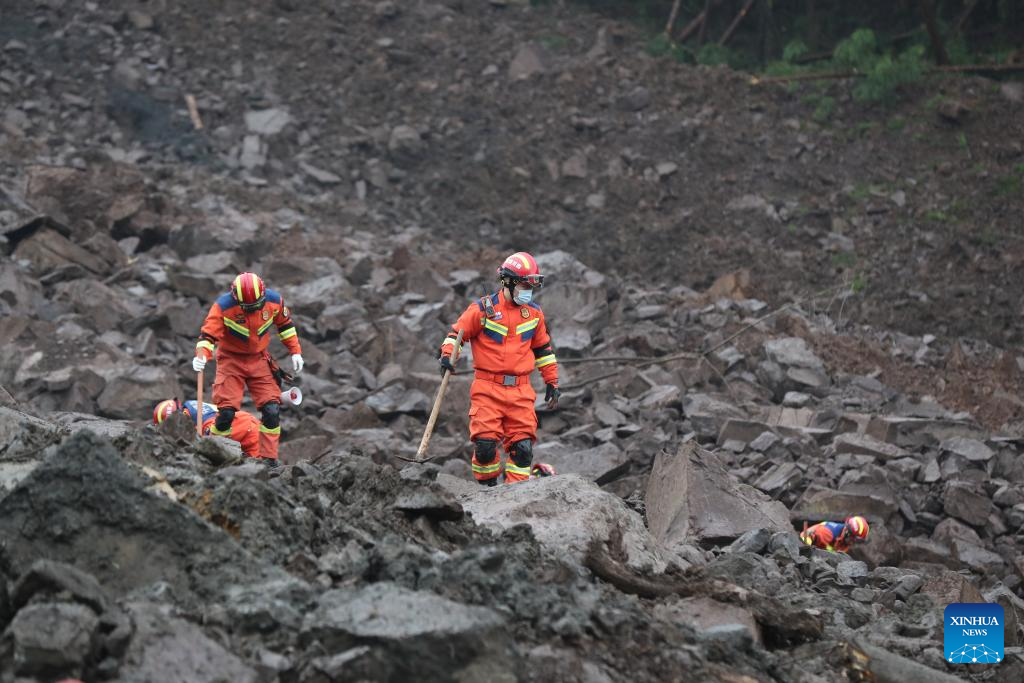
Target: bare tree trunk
{"type": "Point", "coordinates": [704, 24]}
{"type": "Point", "coordinates": [958, 25]}
{"type": "Point", "coordinates": [736, 22]}
{"type": "Point", "coordinates": [698, 22]}
{"type": "Point", "coordinates": [672, 18]}
{"type": "Point", "coordinates": [932, 25]}
{"type": "Point", "coordinates": [813, 26]}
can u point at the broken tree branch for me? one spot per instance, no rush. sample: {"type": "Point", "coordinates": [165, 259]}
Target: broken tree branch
{"type": "Point", "coordinates": [193, 112]}
{"type": "Point", "coordinates": [958, 25]}
{"type": "Point", "coordinates": [672, 18]}
{"type": "Point", "coordinates": [781, 625]}
{"type": "Point", "coordinates": [736, 22]}
{"type": "Point", "coordinates": [947, 69]}
{"type": "Point", "coordinates": [704, 24]}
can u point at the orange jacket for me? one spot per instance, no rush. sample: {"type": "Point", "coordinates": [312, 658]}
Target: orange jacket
{"type": "Point", "coordinates": [831, 536]}
{"type": "Point", "coordinates": [507, 339]}
{"type": "Point", "coordinates": [236, 331]}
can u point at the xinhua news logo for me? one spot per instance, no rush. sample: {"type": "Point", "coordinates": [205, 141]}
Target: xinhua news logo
{"type": "Point", "coordinates": [973, 633]}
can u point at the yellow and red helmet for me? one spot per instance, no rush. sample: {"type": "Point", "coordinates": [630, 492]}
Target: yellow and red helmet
{"type": "Point", "coordinates": [164, 409]}
{"type": "Point", "coordinates": [858, 526]}
{"type": "Point", "coordinates": [248, 291]}
{"type": "Point", "coordinates": [542, 469]}
{"type": "Point", "coordinates": [521, 268]}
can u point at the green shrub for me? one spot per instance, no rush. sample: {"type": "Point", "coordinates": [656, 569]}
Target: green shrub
{"type": "Point", "coordinates": [882, 73]}
{"type": "Point", "coordinates": [794, 50]}
{"type": "Point", "coordinates": [713, 53]}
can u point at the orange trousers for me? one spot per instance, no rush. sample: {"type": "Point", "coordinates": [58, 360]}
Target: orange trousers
{"type": "Point", "coordinates": [235, 372]}
{"type": "Point", "coordinates": [504, 414]}
{"type": "Point", "coordinates": [245, 429]}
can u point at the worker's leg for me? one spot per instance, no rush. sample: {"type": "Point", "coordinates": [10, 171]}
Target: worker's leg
{"type": "Point", "coordinates": [485, 431]}
{"type": "Point", "coordinates": [520, 426]}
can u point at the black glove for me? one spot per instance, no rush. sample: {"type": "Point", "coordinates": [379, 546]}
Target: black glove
{"type": "Point", "coordinates": [446, 365]}
{"type": "Point", "coordinates": [551, 396]}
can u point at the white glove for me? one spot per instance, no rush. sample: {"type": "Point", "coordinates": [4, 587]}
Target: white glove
{"type": "Point", "coordinates": [297, 362]}
{"type": "Point", "coordinates": [198, 363]}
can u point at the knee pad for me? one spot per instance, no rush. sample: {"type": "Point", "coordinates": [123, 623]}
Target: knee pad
{"type": "Point", "coordinates": [225, 416]}
{"type": "Point", "coordinates": [271, 415]}
{"type": "Point", "coordinates": [486, 451]}
{"type": "Point", "coordinates": [522, 453]}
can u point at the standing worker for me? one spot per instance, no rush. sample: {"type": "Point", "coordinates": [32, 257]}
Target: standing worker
{"type": "Point", "coordinates": [510, 338]}
{"type": "Point", "coordinates": [236, 328]}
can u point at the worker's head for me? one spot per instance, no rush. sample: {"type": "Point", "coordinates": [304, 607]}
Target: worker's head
{"type": "Point", "coordinates": [520, 274]}
{"type": "Point", "coordinates": [858, 527]}
{"type": "Point", "coordinates": [248, 292]}
{"type": "Point", "coordinates": [542, 469]}
{"type": "Point", "coordinates": [164, 409]}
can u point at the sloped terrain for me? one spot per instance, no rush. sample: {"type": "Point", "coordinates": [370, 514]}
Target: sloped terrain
{"type": "Point", "coordinates": [374, 161]}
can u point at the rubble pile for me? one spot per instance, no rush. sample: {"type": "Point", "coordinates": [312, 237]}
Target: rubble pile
{"type": "Point", "coordinates": [374, 161]}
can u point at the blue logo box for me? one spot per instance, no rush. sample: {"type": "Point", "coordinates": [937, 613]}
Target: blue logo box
{"type": "Point", "coordinates": [972, 633]}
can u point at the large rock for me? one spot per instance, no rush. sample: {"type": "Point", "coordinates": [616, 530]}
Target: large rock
{"type": "Point", "coordinates": [397, 399]}
{"type": "Point", "coordinates": [704, 614]}
{"type": "Point", "coordinates": [862, 444]}
{"type": "Point", "coordinates": [413, 632]}
{"type": "Point", "coordinates": [968, 502]}
{"type": "Point", "coordinates": [601, 464]}
{"type": "Point", "coordinates": [167, 649]}
{"type": "Point", "coordinates": [791, 365]}
{"type": "Point", "coordinates": [52, 638]}
{"type": "Point", "coordinates": [132, 394]}
{"type": "Point", "coordinates": [819, 503]}
{"type": "Point", "coordinates": [566, 512]}
{"type": "Point", "coordinates": [267, 121]}
{"type": "Point", "coordinates": [116, 530]}
{"type": "Point", "coordinates": [575, 296]}
{"type": "Point", "coordinates": [708, 414]}
{"type": "Point", "coordinates": [691, 497]}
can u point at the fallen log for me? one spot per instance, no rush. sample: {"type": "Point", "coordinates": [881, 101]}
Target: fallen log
{"type": "Point", "coordinates": [881, 666]}
{"type": "Point", "coordinates": [781, 626]}
{"type": "Point", "coordinates": [948, 69]}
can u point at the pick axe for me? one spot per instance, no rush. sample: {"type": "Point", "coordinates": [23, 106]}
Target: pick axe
{"type": "Point", "coordinates": [422, 450]}
{"type": "Point", "coordinates": [199, 403]}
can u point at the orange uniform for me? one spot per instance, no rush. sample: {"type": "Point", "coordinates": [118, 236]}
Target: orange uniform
{"type": "Point", "coordinates": [508, 340]}
{"type": "Point", "coordinates": [245, 428]}
{"type": "Point", "coordinates": [240, 340]}
{"type": "Point", "coordinates": [830, 536]}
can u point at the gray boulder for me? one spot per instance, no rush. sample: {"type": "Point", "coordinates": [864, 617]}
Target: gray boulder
{"type": "Point", "coordinates": [691, 497]}
{"type": "Point", "coordinates": [565, 512]}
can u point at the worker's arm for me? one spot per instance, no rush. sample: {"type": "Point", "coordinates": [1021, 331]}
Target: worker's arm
{"type": "Point", "coordinates": [544, 354]}
{"type": "Point", "coordinates": [211, 333]}
{"type": "Point", "coordinates": [470, 322]}
{"type": "Point", "coordinates": [286, 330]}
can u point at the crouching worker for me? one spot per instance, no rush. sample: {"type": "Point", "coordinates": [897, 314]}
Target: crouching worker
{"type": "Point", "coordinates": [836, 536]}
{"type": "Point", "coordinates": [245, 428]}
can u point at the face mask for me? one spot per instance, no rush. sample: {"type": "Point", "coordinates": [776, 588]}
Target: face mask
{"type": "Point", "coordinates": [522, 296]}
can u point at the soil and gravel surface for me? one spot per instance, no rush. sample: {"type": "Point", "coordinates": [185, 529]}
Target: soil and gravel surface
{"type": "Point", "coordinates": [374, 161]}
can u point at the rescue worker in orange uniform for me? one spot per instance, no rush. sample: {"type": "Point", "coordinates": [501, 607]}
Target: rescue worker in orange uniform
{"type": "Point", "coordinates": [510, 338]}
{"type": "Point", "coordinates": [237, 328]}
{"type": "Point", "coordinates": [245, 429]}
{"type": "Point", "coordinates": [836, 536]}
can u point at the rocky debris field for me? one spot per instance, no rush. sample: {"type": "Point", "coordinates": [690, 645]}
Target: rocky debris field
{"type": "Point", "coordinates": [374, 161]}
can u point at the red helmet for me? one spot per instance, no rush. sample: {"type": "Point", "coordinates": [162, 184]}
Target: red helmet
{"type": "Point", "coordinates": [858, 526]}
{"type": "Point", "coordinates": [542, 469]}
{"type": "Point", "coordinates": [248, 291]}
{"type": "Point", "coordinates": [164, 409]}
{"type": "Point", "coordinates": [520, 267]}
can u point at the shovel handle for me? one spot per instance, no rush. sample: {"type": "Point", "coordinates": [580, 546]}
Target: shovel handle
{"type": "Point", "coordinates": [422, 450]}
{"type": "Point", "coordinates": [199, 403]}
